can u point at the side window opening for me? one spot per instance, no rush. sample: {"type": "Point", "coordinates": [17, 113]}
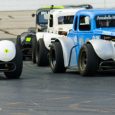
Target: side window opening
{"type": "Point", "coordinates": [51, 21]}
{"type": "Point", "coordinates": [65, 19]}
{"type": "Point", "coordinates": [84, 23]}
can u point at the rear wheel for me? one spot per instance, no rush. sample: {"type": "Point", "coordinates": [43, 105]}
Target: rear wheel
{"type": "Point", "coordinates": [18, 61]}
{"type": "Point", "coordinates": [18, 41]}
{"type": "Point", "coordinates": [88, 60]}
{"type": "Point", "coordinates": [42, 54]}
{"type": "Point", "coordinates": [56, 58]}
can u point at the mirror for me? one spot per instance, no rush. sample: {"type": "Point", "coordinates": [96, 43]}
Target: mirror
{"type": "Point", "coordinates": [33, 15]}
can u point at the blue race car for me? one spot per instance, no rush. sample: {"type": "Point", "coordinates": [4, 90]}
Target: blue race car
{"type": "Point", "coordinates": [89, 46]}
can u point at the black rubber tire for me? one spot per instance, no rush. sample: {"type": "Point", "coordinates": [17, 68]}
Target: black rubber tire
{"type": "Point", "coordinates": [18, 41]}
{"type": "Point", "coordinates": [19, 65]}
{"type": "Point", "coordinates": [34, 43]}
{"type": "Point", "coordinates": [88, 61]}
{"type": "Point", "coordinates": [19, 44]}
{"type": "Point", "coordinates": [41, 54]}
{"type": "Point", "coordinates": [56, 58]}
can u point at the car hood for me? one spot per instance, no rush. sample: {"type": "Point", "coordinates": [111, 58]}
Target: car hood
{"type": "Point", "coordinates": [105, 31]}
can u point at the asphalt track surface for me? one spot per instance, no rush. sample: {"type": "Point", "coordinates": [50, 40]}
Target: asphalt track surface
{"type": "Point", "coordinates": [41, 92]}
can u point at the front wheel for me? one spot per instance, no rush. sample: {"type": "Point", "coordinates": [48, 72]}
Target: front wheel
{"type": "Point", "coordinates": [34, 42]}
{"type": "Point", "coordinates": [56, 59]}
{"type": "Point", "coordinates": [88, 60]}
{"type": "Point", "coordinates": [42, 54]}
{"type": "Point", "coordinates": [18, 61]}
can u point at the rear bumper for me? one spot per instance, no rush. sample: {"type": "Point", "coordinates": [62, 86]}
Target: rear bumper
{"type": "Point", "coordinates": [7, 66]}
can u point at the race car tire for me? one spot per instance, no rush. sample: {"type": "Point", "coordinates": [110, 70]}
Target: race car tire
{"type": "Point", "coordinates": [34, 42]}
{"type": "Point", "coordinates": [18, 41]}
{"type": "Point", "coordinates": [41, 54]}
{"type": "Point", "coordinates": [56, 58]}
{"type": "Point", "coordinates": [18, 61]}
{"type": "Point", "coordinates": [88, 61]}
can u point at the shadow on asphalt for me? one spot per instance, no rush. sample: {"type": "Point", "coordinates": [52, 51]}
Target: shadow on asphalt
{"type": "Point", "coordinates": [107, 73]}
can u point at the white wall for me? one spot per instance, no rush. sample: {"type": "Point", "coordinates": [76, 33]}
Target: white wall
{"type": "Point", "coordinates": [35, 4]}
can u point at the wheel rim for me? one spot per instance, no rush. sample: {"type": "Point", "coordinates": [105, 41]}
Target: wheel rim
{"type": "Point", "coordinates": [53, 59]}
{"type": "Point", "coordinates": [83, 61]}
{"type": "Point", "coordinates": [37, 53]}
{"type": "Point", "coordinates": [53, 62]}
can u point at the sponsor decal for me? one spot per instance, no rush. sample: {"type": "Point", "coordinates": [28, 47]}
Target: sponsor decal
{"type": "Point", "coordinates": [28, 39]}
{"type": "Point", "coordinates": [105, 17]}
{"type": "Point", "coordinates": [6, 51]}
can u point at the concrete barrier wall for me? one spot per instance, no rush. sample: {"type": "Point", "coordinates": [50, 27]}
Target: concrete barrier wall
{"type": "Point", "coordinates": [35, 4]}
{"type": "Point", "coordinates": [13, 23]}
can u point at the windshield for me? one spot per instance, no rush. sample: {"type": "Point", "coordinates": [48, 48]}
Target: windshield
{"type": "Point", "coordinates": [65, 19]}
{"type": "Point", "coordinates": [42, 17]}
{"type": "Point", "coordinates": [107, 20]}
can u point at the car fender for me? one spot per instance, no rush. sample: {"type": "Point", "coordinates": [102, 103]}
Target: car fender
{"type": "Point", "coordinates": [23, 36]}
{"type": "Point", "coordinates": [67, 45]}
{"type": "Point", "coordinates": [47, 38]}
{"type": "Point", "coordinates": [103, 48]}
{"type": "Point", "coordinates": [7, 50]}
{"type": "Point", "coordinates": [39, 35]}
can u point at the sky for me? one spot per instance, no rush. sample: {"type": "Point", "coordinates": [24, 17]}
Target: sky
{"type": "Point", "coordinates": [35, 4]}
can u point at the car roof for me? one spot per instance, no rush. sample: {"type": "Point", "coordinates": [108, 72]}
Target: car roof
{"type": "Point", "coordinates": [62, 11]}
{"type": "Point", "coordinates": [87, 6]}
{"type": "Point", "coordinates": [94, 12]}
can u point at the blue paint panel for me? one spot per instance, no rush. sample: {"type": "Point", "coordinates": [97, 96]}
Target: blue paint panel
{"type": "Point", "coordinates": [80, 36]}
